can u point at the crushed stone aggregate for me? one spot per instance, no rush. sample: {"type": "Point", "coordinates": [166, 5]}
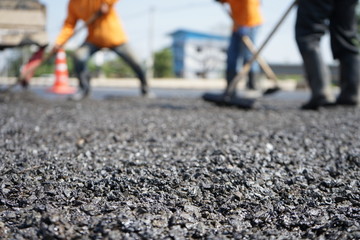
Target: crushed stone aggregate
{"type": "Point", "coordinates": [135, 168]}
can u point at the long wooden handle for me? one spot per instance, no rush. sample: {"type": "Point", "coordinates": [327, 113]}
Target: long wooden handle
{"type": "Point", "coordinates": [263, 64]}
{"type": "Point", "coordinates": [246, 68]}
{"type": "Point", "coordinates": [46, 57]}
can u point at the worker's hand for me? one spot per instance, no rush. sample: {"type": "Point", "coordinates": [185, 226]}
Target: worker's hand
{"type": "Point", "coordinates": [56, 48]}
{"type": "Point", "coordinates": [105, 8]}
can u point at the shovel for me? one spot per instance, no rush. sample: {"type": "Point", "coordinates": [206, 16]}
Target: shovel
{"type": "Point", "coordinates": [38, 58]}
{"type": "Point", "coordinates": [265, 67]}
{"type": "Point", "coordinates": [229, 98]}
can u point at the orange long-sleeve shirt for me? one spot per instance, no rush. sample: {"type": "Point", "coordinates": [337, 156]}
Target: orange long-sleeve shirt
{"type": "Point", "coordinates": [245, 13]}
{"type": "Point", "coordinates": [106, 31]}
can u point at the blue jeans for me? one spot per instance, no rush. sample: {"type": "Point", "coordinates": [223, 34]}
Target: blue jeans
{"type": "Point", "coordinates": [238, 54]}
{"type": "Point", "coordinates": [84, 53]}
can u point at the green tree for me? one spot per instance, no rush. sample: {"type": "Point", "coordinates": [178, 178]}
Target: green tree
{"type": "Point", "coordinates": [14, 61]}
{"type": "Point", "coordinates": [163, 63]}
{"type": "Point", "coordinates": [117, 68]}
{"type": "Point", "coordinates": [94, 69]}
{"type": "Point", "coordinates": [358, 17]}
{"type": "Point", "coordinates": [14, 66]}
{"type": "Point", "coordinates": [46, 68]}
{"type": "Point", "coordinates": [358, 21]}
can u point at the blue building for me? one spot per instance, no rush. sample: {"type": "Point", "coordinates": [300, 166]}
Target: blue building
{"type": "Point", "coordinates": [198, 55]}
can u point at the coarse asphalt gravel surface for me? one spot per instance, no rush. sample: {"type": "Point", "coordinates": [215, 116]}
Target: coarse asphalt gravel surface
{"type": "Point", "coordinates": [177, 168]}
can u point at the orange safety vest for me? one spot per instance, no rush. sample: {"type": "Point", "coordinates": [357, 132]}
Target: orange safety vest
{"type": "Point", "coordinates": [245, 13]}
{"type": "Point", "coordinates": [107, 31]}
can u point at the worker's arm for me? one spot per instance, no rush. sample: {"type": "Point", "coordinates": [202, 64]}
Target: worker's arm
{"type": "Point", "coordinates": [68, 28]}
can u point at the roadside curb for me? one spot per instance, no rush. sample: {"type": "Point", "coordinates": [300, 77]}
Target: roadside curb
{"type": "Point", "coordinates": [171, 83]}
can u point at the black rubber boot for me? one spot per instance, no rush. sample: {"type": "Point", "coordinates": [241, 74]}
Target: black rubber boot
{"type": "Point", "coordinates": [349, 80]}
{"type": "Point", "coordinates": [84, 87]}
{"type": "Point", "coordinates": [144, 89]}
{"type": "Point", "coordinates": [252, 80]}
{"type": "Point", "coordinates": [315, 104]}
{"type": "Point", "coordinates": [318, 78]}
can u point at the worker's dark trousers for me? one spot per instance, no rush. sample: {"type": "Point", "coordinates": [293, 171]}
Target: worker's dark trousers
{"type": "Point", "coordinates": [314, 18]}
{"type": "Point", "coordinates": [83, 54]}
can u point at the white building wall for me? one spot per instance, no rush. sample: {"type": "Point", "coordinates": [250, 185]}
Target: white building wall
{"type": "Point", "coordinates": [205, 58]}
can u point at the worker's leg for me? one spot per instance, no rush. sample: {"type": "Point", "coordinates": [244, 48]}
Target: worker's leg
{"type": "Point", "coordinates": [310, 27]}
{"type": "Point", "coordinates": [232, 57]}
{"type": "Point", "coordinates": [349, 80]}
{"type": "Point", "coordinates": [345, 47]}
{"type": "Point", "coordinates": [81, 57]}
{"type": "Point", "coordinates": [128, 56]}
{"type": "Point", "coordinates": [254, 73]}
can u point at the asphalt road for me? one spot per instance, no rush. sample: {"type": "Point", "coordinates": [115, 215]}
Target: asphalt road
{"type": "Point", "coordinates": [176, 167]}
{"type": "Point", "coordinates": [100, 93]}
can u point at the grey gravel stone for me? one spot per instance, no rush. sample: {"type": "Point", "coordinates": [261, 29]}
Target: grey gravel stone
{"type": "Point", "coordinates": [134, 168]}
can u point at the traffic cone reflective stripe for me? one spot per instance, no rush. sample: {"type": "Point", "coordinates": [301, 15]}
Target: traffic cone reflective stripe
{"type": "Point", "coordinates": [61, 84]}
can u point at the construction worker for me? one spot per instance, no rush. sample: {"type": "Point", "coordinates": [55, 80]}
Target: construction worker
{"type": "Point", "coordinates": [247, 18]}
{"type": "Point", "coordinates": [104, 32]}
{"type": "Point", "coordinates": [314, 17]}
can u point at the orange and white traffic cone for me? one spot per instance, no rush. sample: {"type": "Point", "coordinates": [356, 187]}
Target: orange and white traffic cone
{"type": "Point", "coordinates": [61, 84]}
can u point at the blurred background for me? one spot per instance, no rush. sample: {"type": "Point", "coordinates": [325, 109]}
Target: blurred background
{"type": "Point", "coordinates": [174, 39]}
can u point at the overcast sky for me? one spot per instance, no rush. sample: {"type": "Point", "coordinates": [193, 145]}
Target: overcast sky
{"type": "Point", "coordinates": [148, 23]}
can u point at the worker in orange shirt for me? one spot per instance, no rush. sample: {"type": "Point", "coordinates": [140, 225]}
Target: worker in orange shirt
{"type": "Point", "coordinates": [247, 19]}
{"type": "Point", "coordinates": [104, 32]}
